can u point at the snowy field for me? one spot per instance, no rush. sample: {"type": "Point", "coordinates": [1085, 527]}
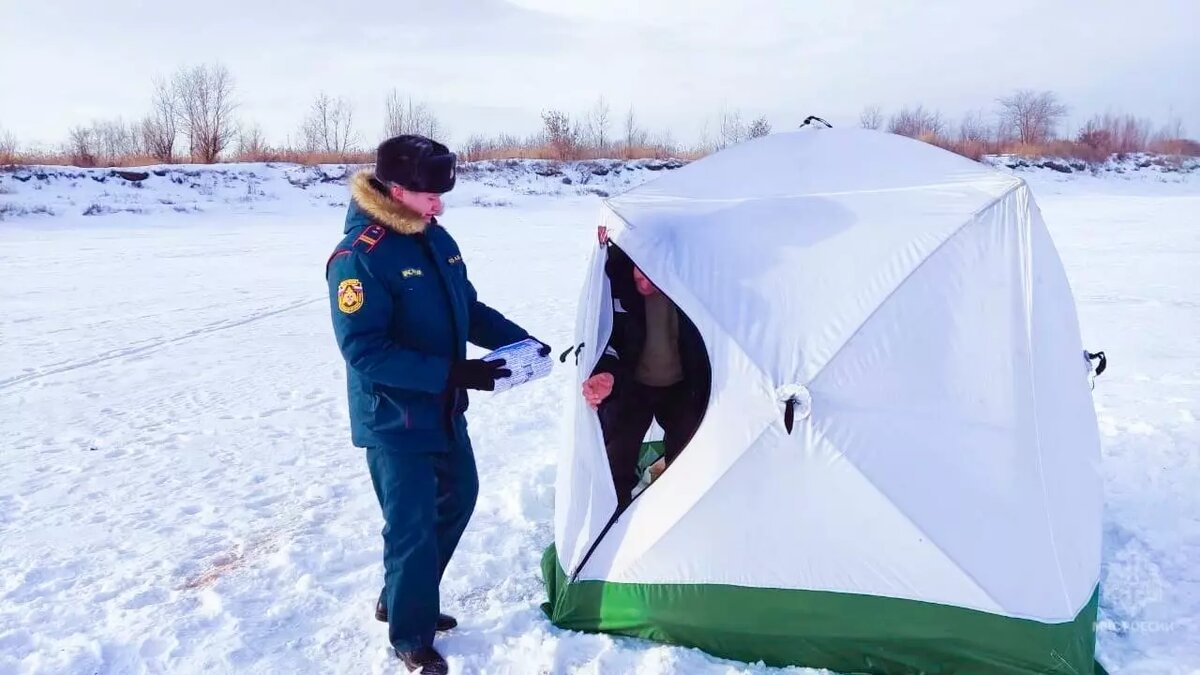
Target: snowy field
{"type": "Point", "coordinates": [179, 493]}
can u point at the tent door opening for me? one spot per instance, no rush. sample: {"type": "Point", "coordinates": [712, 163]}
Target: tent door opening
{"type": "Point", "coordinates": [662, 379]}
{"type": "Point", "coordinates": [662, 382]}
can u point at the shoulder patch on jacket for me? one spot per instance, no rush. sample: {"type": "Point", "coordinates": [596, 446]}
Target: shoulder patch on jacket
{"type": "Point", "coordinates": [350, 296]}
{"type": "Point", "coordinates": [370, 237]}
{"type": "Point", "coordinates": [454, 260]}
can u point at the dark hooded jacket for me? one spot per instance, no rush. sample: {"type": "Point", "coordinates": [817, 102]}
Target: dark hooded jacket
{"type": "Point", "coordinates": [624, 348]}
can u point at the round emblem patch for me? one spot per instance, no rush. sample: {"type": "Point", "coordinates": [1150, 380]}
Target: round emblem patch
{"type": "Point", "coordinates": [350, 296]}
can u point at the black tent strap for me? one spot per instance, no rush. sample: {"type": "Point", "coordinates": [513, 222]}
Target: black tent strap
{"type": "Point", "coordinates": [1101, 358]}
{"type": "Point", "coordinates": [577, 349]}
{"type": "Point", "coordinates": [596, 544]}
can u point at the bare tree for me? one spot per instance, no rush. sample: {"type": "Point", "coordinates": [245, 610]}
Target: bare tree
{"type": "Point", "coordinates": [560, 134]}
{"type": "Point", "coordinates": [731, 129]}
{"type": "Point", "coordinates": [160, 127]}
{"type": "Point", "coordinates": [475, 149]}
{"type": "Point", "coordinates": [103, 143]}
{"type": "Point", "coordinates": [705, 144]}
{"type": "Point", "coordinates": [1133, 133]}
{"type": "Point", "coordinates": [205, 110]}
{"type": "Point", "coordinates": [137, 144]}
{"type": "Point", "coordinates": [917, 123]}
{"type": "Point", "coordinates": [759, 128]}
{"type": "Point", "coordinates": [871, 117]}
{"type": "Point", "coordinates": [975, 128]}
{"type": "Point", "coordinates": [406, 116]}
{"type": "Point", "coordinates": [252, 144]}
{"type": "Point", "coordinates": [974, 139]}
{"type": "Point", "coordinates": [480, 147]}
{"type": "Point", "coordinates": [8, 147]}
{"type": "Point", "coordinates": [1030, 117]}
{"type": "Point", "coordinates": [329, 126]}
{"type": "Point", "coordinates": [596, 122]}
{"type": "Point", "coordinates": [1172, 139]}
{"type": "Point", "coordinates": [635, 136]}
{"type": "Point", "coordinates": [114, 140]}
{"type": "Point", "coordinates": [1111, 133]}
{"type": "Point", "coordinates": [81, 146]}
{"type": "Point", "coordinates": [662, 146]}
{"type": "Point", "coordinates": [1173, 130]}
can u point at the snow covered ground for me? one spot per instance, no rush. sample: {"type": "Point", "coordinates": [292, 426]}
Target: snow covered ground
{"type": "Point", "coordinates": [179, 492]}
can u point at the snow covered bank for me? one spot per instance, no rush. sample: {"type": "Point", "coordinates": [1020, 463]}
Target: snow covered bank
{"type": "Point", "coordinates": [49, 191]}
{"type": "Point", "coordinates": [181, 188]}
{"type": "Point", "coordinates": [1135, 164]}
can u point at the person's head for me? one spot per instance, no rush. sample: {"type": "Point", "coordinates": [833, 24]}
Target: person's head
{"type": "Point", "coordinates": [426, 204]}
{"type": "Point", "coordinates": [643, 284]}
{"type": "Point", "coordinates": [416, 171]}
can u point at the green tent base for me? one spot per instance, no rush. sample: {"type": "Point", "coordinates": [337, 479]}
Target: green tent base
{"type": "Point", "coordinates": [842, 632]}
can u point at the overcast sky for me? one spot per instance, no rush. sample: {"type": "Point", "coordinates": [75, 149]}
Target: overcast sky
{"type": "Point", "coordinates": [492, 65]}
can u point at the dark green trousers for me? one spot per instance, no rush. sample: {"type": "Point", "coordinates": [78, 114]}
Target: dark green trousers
{"type": "Point", "coordinates": [427, 494]}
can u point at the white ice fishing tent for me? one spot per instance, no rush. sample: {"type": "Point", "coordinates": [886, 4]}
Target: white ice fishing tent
{"type": "Point", "coordinates": [936, 505]}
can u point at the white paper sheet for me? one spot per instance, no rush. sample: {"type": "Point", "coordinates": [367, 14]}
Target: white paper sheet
{"type": "Point", "coordinates": [523, 360]}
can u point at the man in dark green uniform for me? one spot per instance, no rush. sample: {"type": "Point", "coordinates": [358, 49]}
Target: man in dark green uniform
{"type": "Point", "coordinates": [403, 311]}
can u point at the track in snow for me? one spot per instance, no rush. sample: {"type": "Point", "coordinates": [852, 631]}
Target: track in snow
{"type": "Point", "coordinates": [124, 352]}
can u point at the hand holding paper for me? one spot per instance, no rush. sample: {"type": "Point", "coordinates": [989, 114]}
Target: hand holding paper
{"type": "Point", "coordinates": [527, 360]}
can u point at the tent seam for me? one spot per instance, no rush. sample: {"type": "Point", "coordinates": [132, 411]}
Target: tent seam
{"type": "Point", "coordinates": [704, 494]}
{"type": "Point", "coordinates": [879, 306]}
{"type": "Point", "coordinates": [899, 511]}
{"type": "Point", "coordinates": [802, 195]}
{"type": "Point", "coordinates": [1037, 424]}
{"type": "Point", "coordinates": [724, 331]}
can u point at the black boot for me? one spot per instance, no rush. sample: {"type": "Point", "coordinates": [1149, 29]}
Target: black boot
{"type": "Point", "coordinates": [426, 660]}
{"type": "Point", "coordinates": [444, 623]}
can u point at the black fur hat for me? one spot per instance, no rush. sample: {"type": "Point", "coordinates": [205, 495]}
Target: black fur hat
{"type": "Point", "coordinates": [416, 163]}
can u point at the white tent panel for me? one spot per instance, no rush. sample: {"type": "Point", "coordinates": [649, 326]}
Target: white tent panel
{"type": "Point", "coordinates": [792, 513]}
{"type": "Point", "coordinates": [1069, 439]}
{"type": "Point", "coordinates": [742, 403]}
{"type": "Point", "coordinates": [584, 495]}
{"type": "Point", "coordinates": [822, 162]}
{"type": "Point", "coordinates": [791, 278]}
{"type": "Point", "coordinates": [932, 400]}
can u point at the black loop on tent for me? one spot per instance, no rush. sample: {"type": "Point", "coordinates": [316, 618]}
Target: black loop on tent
{"type": "Point", "coordinates": [789, 414]}
{"type": "Point", "coordinates": [1103, 362]}
{"type": "Point", "coordinates": [576, 349]}
{"type": "Point", "coordinates": [813, 118]}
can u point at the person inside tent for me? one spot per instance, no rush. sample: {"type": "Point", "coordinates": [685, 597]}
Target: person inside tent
{"type": "Point", "coordinates": [654, 367]}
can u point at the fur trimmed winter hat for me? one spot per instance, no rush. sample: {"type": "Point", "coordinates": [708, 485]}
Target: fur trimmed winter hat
{"type": "Point", "coordinates": [416, 163]}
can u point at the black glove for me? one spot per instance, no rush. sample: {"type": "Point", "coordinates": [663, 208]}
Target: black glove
{"type": "Point", "coordinates": [476, 374]}
{"type": "Point", "coordinates": [545, 350]}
